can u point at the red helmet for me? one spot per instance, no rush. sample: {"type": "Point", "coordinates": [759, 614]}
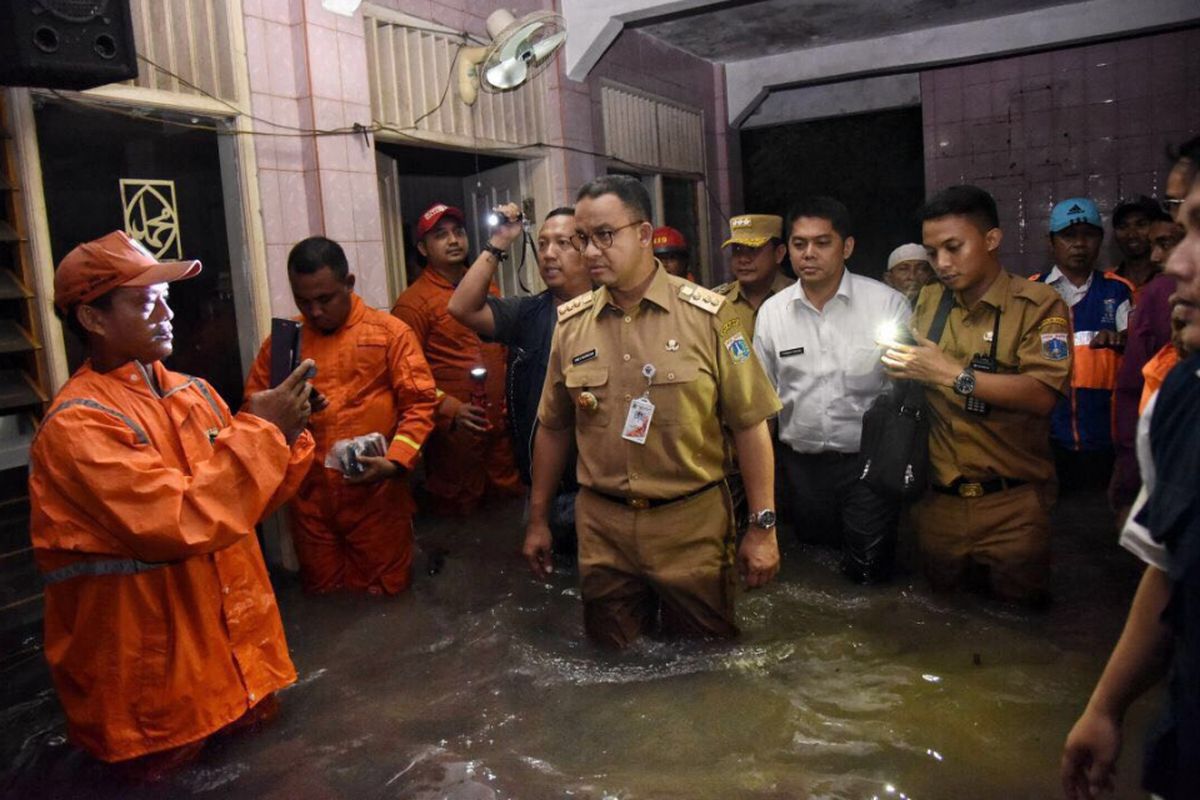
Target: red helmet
{"type": "Point", "coordinates": [668, 240]}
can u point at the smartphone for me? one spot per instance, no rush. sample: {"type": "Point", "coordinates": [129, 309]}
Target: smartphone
{"type": "Point", "coordinates": [285, 349]}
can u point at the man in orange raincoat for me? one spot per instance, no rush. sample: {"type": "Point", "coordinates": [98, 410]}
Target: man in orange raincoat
{"type": "Point", "coordinates": [355, 532]}
{"type": "Point", "coordinates": [161, 627]}
{"type": "Point", "coordinates": [470, 457]}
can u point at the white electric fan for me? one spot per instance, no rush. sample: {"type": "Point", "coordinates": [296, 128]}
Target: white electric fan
{"type": "Point", "coordinates": [520, 49]}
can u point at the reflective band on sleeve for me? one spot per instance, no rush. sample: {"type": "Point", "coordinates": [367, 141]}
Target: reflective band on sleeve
{"type": "Point", "coordinates": [400, 437]}
{"type": "Point", "coordinates": [127, 566]}
{"type": "Point", "coordinates": [89, 403]}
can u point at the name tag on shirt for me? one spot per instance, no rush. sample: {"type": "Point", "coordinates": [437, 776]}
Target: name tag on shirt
{"type": "Point", "coordinates": [582, 357]}
{"type": "Point", "coordinates": [793, 351]}
{"type": "Point", "coordinates": [637, 421]}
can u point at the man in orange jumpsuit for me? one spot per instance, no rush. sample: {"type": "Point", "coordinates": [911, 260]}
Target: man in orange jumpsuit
{"type": "Point", "coordinates": [161, 627]}
{"type": "Point", "coordinates": [470, 457]}
{"type": "Point", "coordinates": [355, 532]}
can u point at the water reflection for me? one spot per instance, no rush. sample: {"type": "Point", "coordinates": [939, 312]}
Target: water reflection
{"type": "Point", "coordinates": [479, 684]}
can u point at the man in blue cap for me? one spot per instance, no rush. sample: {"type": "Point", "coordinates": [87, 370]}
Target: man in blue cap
{"type": "Point", "coordinates": [1081, 426]}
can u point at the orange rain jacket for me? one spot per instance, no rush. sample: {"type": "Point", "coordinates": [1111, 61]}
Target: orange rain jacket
{"type": "Point", "coordinates": [1155, 371]}
{"type": "Point", "coordinates": [372, 372]}
{"type": "Point", "coordinates": [161, 626]}
{"type": "Point", "coordinates": [461, 466]}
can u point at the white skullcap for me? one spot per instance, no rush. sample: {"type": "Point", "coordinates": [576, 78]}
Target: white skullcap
{"type": "Point", "coordinates": [908, 252]}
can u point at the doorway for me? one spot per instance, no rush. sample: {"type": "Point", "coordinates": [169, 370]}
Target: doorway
{"type": "Point", "coordinates": [116, 169]}
{"type": "Point", "coordinates": [411, 179]}
{"type": "Point", "coordinates": [874, 163]}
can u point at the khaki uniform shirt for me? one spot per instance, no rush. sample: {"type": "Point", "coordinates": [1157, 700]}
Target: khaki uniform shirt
{"type": "Point", "coordinates": [1034, 340]}
{"type": "Point", "coordinates": [737, 301]}
{"type": "Point", "coordinates": [706, 375]}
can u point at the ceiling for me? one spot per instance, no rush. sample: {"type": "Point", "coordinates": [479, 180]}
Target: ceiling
{"type": "Point", "coordinates": [751, 29]}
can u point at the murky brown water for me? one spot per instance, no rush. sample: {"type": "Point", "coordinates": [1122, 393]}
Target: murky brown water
{"type": "Point", "coordinates": [479, 684]}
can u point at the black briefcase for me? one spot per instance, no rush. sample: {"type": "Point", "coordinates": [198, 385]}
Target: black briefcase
{"type": "Point", "coordinates": [895, 442]}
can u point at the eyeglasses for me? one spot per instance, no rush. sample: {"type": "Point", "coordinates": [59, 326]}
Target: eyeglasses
{"type": "Point", "coordinates": [602, 239]}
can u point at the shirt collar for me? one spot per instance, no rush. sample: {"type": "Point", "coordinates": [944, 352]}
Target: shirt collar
{"type": "Point", "coordinates": [658, 292]}
{"type": "Point", "coordinates": [433, 276]}
{"type": "Point", "coordinates": [1055, 275]}
{"type": "Point", "coordinates": [997, 294]}
{"type": "Point", "coordinates": [845, 290]}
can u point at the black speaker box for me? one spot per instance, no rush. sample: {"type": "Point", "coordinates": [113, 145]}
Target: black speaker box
{"type": "Point", "coordinates": [66, 44]}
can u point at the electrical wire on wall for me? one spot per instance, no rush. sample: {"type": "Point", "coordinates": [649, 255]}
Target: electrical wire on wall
{"type": "Point", "coordinates": [355, 129]}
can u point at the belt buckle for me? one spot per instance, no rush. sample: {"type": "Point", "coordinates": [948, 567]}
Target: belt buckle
{"type": "Point", "coordinates": [970, 490]}
{"type": "Point", "coordinates": [640, 503]}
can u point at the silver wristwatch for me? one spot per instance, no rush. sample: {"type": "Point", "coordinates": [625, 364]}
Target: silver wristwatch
{"type": "Point", "coordinates": [764, 519]}
{"type": "Point", "coordinates": [964, 384]}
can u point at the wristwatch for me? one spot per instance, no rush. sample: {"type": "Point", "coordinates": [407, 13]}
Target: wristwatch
{"type": "Point", "coordinates": [501, 255]}
{"type": "Point", "coordinates": [964, 384]}
{"type": "Point", "coordinates": [764, 519]}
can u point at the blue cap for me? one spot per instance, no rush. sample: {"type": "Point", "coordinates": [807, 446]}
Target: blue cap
{"type": "Point", "coordinates": [1072, 211]}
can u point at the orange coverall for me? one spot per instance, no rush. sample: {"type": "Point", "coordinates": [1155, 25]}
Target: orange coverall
{"type": "Point", "coordinates": [161, 626]}
{"type": "Point", "coordinates": [371, 370]}
{"type": "Point", "coordinates": [461, 466]}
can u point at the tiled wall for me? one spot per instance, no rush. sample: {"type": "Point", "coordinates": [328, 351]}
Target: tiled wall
{"type": "Point", "coordinates": [1034, 129]}
{"type": "Point", "coordinates": [308, 69]}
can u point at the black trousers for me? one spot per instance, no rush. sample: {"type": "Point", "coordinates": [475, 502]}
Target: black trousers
{"type": "Point", "coordinates": [821, 496]}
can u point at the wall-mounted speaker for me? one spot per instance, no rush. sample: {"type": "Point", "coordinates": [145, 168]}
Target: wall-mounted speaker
{"type": "Point", "coordinates": [66, 44]}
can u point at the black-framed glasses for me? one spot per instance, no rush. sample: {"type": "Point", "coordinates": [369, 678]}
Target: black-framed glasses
{"type": "Point", "coordinates": [603, 239]}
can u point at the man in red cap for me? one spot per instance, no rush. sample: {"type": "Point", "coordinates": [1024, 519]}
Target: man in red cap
{"type": "Point", "coordinates": [160, 627]}
{"type": "Point", "coordinates": [469, 457]}
{"type": "Point", "coordinates": [671, 248]}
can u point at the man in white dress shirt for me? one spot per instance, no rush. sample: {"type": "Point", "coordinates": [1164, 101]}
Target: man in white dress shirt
{"type": "Point", "coordinates": [817, 342]}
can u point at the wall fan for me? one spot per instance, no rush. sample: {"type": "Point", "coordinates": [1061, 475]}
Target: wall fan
{"type": "Point", "coordinates": [520, 49]}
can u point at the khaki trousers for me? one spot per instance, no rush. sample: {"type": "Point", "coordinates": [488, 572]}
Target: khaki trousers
{"type": "Point", "coordinates": [669, 568]}
{"type": "Point", "coordinates": [1008, 532]}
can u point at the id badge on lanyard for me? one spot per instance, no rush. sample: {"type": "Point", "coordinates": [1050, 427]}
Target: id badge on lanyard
{"type": "Point", "coordinates": [641, 411]}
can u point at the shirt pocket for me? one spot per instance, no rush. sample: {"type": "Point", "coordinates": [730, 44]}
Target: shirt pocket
{"type": "Point", "coordinates": [369, 372]}
{"type": "Point", "coordinates": [863, 376]}
{"type": "Point", "coordinates": [674, 394]}
{"type": "Point", "coordinates": [593, 379]}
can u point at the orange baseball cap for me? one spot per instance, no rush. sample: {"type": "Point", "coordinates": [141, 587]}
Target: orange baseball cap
{"type": "Point", "coordinates": [668, 240]}
{"type": "Point", "coordinates": [433, 215]}
{"type": "Point", "coordinates": [97, 267]}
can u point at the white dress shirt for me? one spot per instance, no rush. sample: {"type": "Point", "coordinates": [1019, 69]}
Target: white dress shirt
{"type": "Point", "coordinates": [825, 364]}
{"type": "Point", "coordinates": [1072, 294]}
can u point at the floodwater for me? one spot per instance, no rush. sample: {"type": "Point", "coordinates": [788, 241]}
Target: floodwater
{"type": "Point", "coordinates": [478, 684]}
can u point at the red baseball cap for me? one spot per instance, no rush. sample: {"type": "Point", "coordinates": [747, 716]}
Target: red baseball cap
{"type": "Point", "coordinates": [668, 240]}
{"type": "Point", "coordinates": [433, 215]}
{"type": "Point", "coordinates": [97, 267]}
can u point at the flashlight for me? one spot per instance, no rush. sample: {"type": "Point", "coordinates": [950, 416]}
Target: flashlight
{"type": "Point", "coordinates": [890, 332]}
{"type": "Point", "coordinates": [495, 219]}
{"type": "Point", "coordinates": [479, 388]}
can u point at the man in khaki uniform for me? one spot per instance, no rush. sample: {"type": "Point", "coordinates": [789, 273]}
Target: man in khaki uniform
{"type": "Point", "coordinates": [992, 469]}
{"type": "Point", "coordinates": [637, 370]}
{"type": "Point", "coordinates": [756, 251]}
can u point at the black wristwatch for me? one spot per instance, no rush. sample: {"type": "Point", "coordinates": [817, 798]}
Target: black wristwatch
{"type": "Point", "coordinates": [964, 384]}
{"type": "Point", "coordinates": [501, 255]}
{"type": "Point", "coordinates": [764, 519]}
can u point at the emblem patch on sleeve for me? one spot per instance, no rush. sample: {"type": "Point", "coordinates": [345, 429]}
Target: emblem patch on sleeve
{"type": "Point", "coordinates": [1055, 346]}
{"type": "Point", "coordinates": [738, 349]}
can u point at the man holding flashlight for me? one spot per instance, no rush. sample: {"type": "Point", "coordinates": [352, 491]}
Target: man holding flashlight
{"type": "Point", "coordinates": [469, 457]}
{"type": "Point", "coordinates": [646, 373]}
{"type": "Point", "coordinates": [1001, 364]}
{"type": "Point", "coordinates": [817, 342]}
{"type": "Point", "coordinates": [525, 325]}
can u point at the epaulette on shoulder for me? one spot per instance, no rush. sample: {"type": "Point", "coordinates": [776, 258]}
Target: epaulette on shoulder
{"type": "Point", "coordinates": [700, 297]}
{"type": "Point", "coordinates": [575, 305]}
{"type": "Point", "coordinates": [724, 288]}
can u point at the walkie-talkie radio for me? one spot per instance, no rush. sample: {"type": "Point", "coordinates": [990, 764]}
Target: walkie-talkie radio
{"type": "Point", "coordinates": [982, 363]}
